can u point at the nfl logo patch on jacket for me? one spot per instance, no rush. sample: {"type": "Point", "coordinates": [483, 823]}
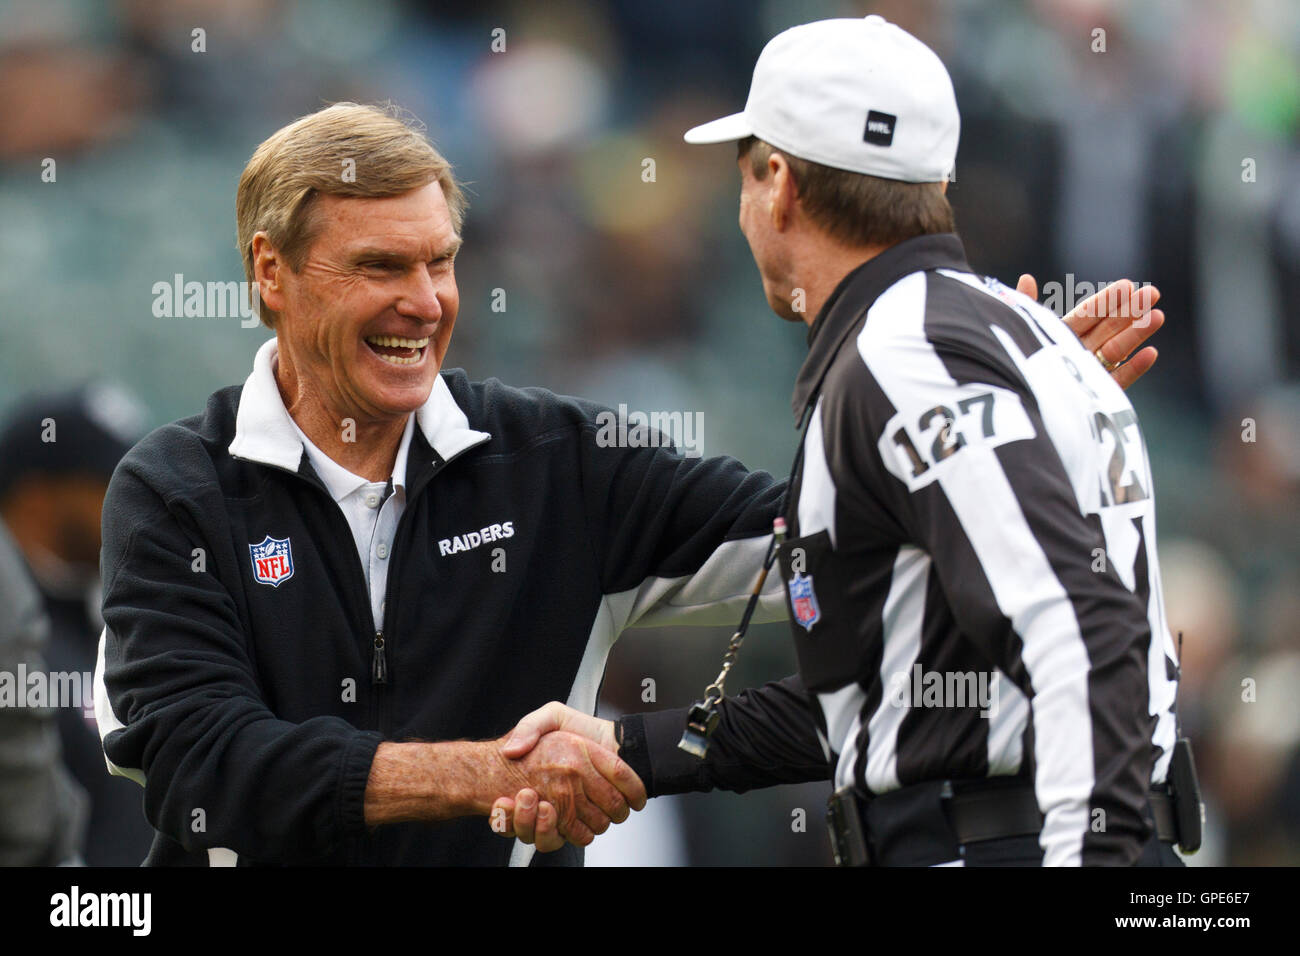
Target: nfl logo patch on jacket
{"type": "Point", "coordinates": [803, 601]}
{"type": "Point", "coordinates": [272, 561]}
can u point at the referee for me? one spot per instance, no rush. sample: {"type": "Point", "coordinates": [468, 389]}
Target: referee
{"type": "Point", "coordinates": [971, 566]}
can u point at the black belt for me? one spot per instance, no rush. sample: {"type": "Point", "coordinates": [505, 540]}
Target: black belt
{"type": "Point", "coordinates": [967, 811]}
{"type": "Point", "coordinates": [988, 814]}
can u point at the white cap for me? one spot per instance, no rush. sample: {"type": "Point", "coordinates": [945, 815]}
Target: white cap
{"type": "Point", "coordinates": [862, 95]}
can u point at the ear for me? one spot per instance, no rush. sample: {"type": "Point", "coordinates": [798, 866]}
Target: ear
{"type": "Point", "coordinates": [267, 272]}
{"type": "Point", "coordinates": [782, 193]}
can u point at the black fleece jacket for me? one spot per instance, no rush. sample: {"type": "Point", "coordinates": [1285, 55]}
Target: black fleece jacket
{"type": "Point", "coordinates": [250, 707]}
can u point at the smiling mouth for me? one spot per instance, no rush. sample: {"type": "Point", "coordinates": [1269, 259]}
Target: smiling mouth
{"type": "Point", "coordinates": [397, 351]}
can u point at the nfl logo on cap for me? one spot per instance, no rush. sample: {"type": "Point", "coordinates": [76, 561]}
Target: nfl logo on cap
{"type": "Point", "coordinates": [272, 561]}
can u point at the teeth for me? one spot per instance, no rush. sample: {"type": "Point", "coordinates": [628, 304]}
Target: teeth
{"type": "Point", "coordinates": [393, 341]}
{"type": "Point", "coordinates": [397, 360]}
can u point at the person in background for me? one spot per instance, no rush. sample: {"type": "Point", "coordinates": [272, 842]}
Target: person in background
{"type": "Point", "coordinates": [57, 453]}
{"type": "Point", "coordinates": [42, 809]}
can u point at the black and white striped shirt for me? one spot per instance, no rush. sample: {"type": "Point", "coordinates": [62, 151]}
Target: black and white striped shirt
{"type": "Point", "coordinates": [972, 566]}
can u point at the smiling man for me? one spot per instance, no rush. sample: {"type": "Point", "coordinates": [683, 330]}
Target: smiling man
{"type": "Point", "coordinates": [292, 666]}
{"type": "Point", "coordinates": [329, 592]}
{"type": "Point", "coordinates": [375, 303]}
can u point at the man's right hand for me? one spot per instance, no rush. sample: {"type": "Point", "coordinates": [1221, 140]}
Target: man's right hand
{"type": "Point", "coordinates": [537, 820]}
{"type": "Point", "coordinates": [576, 785]}
{"type": "Point", "coordinates": [587, 785]}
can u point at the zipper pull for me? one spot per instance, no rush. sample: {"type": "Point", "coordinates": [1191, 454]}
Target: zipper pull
{"type": "Point", "coordinates": [379, 666]}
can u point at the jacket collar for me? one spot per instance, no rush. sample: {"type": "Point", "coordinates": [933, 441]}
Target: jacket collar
{"type": "Point", "coordinates": [265, 433]}
{"type": "Point", "coordinates": [856, 293]}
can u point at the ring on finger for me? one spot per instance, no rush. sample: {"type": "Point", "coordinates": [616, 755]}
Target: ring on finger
{"type": "Point", "coordinates": [1106, 363]}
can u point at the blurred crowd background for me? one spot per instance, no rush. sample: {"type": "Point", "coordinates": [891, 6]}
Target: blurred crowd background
{"type": "Point", "coordinates": [1169, 156]}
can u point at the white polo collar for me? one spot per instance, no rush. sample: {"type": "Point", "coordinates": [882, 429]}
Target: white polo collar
{"type": "Point", "coordinates": [265, 432]}
{"type": "Point", "coordinates": [338, 480]}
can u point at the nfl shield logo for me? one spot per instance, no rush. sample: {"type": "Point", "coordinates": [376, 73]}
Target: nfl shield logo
{"type": "Point", "coordinates": [272, 561]}
{"type": "Point", "coordinates": [804, 601]}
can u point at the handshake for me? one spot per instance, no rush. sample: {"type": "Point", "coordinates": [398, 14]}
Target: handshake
{"type": "Point", "coordinates": [571, 782]}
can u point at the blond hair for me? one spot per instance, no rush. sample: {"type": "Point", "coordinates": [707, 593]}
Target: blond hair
{"type": "Point", "coordinates": [343, 150]}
